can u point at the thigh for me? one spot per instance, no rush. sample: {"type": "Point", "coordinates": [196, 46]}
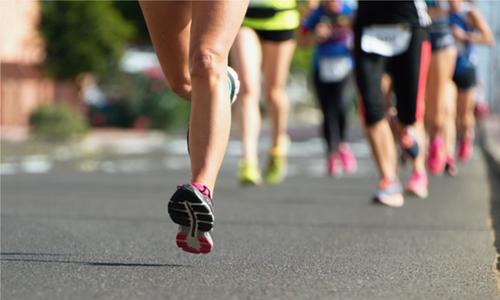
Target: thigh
{"type": "Point", "coordinates": [443, 63]}
{"type": "Point", "coordinates": [246, 59]}
{"type": "Point", "coordinates": [169, 24]}
{"type": "Point", "coordinates": [277, 57]}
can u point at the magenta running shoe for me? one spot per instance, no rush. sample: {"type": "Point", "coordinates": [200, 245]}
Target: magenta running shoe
{"type": "Point", "coordinates": [418, 184]}
{"type": "Point", "coordinates": [191, 207]}
{"type": "Point", "coordinates": [451, 167]}
{"type": "Point", "coordinates": [347, 157]}
{"type": "Point", "coordinates": [436, 161]}
{"type": "Point", "coordinates": [466, 148]}
{"type": "Point", "coordinates": [335, 165]}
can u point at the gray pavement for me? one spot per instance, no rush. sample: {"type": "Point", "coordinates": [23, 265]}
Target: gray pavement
{"type": "Point", "coordinates": [80, 226]}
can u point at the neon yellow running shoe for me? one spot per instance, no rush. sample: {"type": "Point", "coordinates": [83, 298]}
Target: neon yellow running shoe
{"type": "Point", "coordinates": [277, 166]}
{"type": "Point", "coordinates": [249, 173]}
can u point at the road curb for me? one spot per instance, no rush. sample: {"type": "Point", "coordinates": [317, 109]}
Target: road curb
{"type": "Point", "coordinates": [489, 142]}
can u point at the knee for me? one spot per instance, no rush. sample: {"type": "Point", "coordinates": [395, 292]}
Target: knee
{"type": "Point", "coordinates": [249, 90]}
{"type": "Point", "coordinates": [206, 63]}
{"type": "Point", "coordinates": [450, 113]}
{"type": "Point", "coordinates": [275, 94]}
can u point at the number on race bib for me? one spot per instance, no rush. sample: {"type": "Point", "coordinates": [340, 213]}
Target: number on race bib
{"type": "Point", "coordinates": [386, 40]}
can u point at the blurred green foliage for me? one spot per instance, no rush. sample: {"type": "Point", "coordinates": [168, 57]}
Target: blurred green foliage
{"type": "Point", "coordinates": [57, 122]}
{"type": "Point", "coordinates": [143, 100]}
{"type": "Point", "coordinates": [131, 11]}
{"type": "Point", "coordinates": [302, 60]}
{"type": "Point", "coordinates": [83, 36]}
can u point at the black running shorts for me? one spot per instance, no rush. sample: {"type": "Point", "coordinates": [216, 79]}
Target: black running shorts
{"type": "Point", "coordinates": [276, 35]}
{"type": "Point", "coordinates": [466, 80]}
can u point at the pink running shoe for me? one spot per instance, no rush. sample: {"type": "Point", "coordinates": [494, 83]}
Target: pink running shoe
{"type": "Point", "coordinates": [418, 184]}
{"type": "Point", "coordinates": [466, 147]}
{"type": "Point", "coordinates": [436, 161]}
{"type": "Point", "coordinates": [451, 167]}
{"type": "Point", "coordinates": [347, 157]}
{"type": "Point", "coordinates": [191, 208]}
{"type": "Point", "coordinates": [334, 165]}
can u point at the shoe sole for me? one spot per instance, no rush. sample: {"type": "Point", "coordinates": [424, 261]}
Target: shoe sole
{"type": "Point", "coordinates": [189, 209]}
{"type": "Point", "coordinates": [396, 200]}
{"type": "Point", "coordinates": [422, 195]}
{"type": "Point", "coordinates": [249, 182]}
{"type": "Point", "coordinates": [204, 244]}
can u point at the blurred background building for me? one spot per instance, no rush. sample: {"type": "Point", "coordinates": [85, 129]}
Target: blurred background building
{"type": "Point", "coordinates": [489, 57]}
{"type": "Point", "coordinates": [23, 85]}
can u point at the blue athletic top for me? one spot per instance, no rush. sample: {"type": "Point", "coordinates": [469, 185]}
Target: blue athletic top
{"type": "Point", "coordinates": [467, 58]}
{"type": "Point", "coordinates": [340, 41]}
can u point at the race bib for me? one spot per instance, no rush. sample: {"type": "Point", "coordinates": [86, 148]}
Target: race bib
{"type": "Point", "coordinates": [334, 69]}
{"type": "Point", "coordinates": [386, 40]}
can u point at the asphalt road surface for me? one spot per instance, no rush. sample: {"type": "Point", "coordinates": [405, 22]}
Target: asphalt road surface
{"type": "Point", "coordinates": [98, 229]}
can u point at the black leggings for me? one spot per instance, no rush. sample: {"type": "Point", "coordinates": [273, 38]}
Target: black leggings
{"type": "Point", "coordinates": [331, 97]}
{"type": "Point", "coordinates": [409, 72]}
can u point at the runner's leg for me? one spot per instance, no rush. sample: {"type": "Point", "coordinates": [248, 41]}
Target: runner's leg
{"type": "Point", "coordinates": [214, 28]}
{"type": "Point", "coordinates": [194, 59]}
{"type": "Point", "coordinates": [450, 125]}
{"type": "Point", "coordinates": [246, 59]}
{"type": "Point", "coordinates": [466, 119]}
{"type": "Point", "coordinates": [369, 70]}
{"type": "Point", "coordinates": [277, 58]}
{"type": "Point", "coordinates": [440, 74]}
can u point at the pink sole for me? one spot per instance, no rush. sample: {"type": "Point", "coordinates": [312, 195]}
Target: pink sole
{"type": "Point", "coordinates": [205, 246]}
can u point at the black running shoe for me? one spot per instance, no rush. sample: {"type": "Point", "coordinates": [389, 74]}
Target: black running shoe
{"type": "Point", "coordinates": [191, 208]}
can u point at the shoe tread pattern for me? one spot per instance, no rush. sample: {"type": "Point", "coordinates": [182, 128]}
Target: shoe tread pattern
{"type": "Point", "coordinates": [187, 205]}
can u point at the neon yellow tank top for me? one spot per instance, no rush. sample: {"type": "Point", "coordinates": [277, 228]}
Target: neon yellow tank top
{"type": "Point", "coordinates": [282, 20]}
